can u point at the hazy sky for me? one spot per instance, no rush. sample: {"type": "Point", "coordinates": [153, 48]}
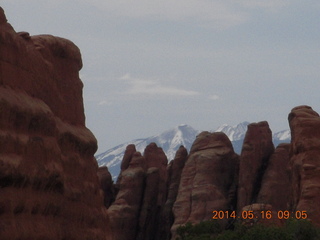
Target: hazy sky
{"type": "Point", "coordinates": [150, 65]}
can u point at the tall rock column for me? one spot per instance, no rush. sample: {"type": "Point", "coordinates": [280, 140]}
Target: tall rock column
{"type": "Point", "coordinates": [208, 180]}
{"type": "Point", "coordinates": [274, 187]}
{"type": "Point", "coordinates": [155, 192]}
{"type": "Point", "coordinates": [125, 210]}
{"type": "Point", "coordinates": [49, 188]}
{"type": "Point", "coordinates": [141, 194]}
{"type": "Point", "coordinates": [174, 171]}
{"type": "Point", "coordinates": [256, 151]}
{"type": "Point", "coordinates": [305, 161]}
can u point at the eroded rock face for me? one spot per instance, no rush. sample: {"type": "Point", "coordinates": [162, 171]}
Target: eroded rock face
{"type": "Point", "coordinates": [141, 194]}
{"type": "Point", "coordinates": [48, 175]}
{"type": "Point", "coordinates": [106, 185]}
{"type": "Point", "coordinates": [149, 213]}
{"type": "Point", "coordinates": [155, 157]}
{"type": "Point", "coordinates": [263, 214]}
{"type": "Point", "coordinates": [305, 161]}
{"type": "Point", "coordinates": [208, 180]}
{"type": "Point", "coordinates": [128, 154]}
{"type": "Point", "coordinates": [275, 184]}
{"type": "Point", "coordinates": [256, 151]}
{"type": "Point", "coordinates": [124, 212]}
{"type": "Point", "coordinates": [174, 171]}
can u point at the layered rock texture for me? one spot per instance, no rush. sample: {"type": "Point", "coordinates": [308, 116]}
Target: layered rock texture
{"type": "Point", "coordinates": [276, 179]}
{"type": "Point", "coordinates": [213, 177]}
{"type": "Point", "coordinates": [141, 194]}
{"type": "Point", "coordinates": [305, 161]}
{"type": "Point", "coordinates": [208, 180]}
{"type": "Point", "coordinates": [49, 187]}
{"type": "Point", "coordinates": [256, 151]}
{"type": "Point", "coordinates": [174, 175]}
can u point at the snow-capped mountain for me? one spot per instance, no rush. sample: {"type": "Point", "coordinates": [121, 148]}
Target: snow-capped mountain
{"type": "Point", "coordinates": [172, 139]}
{"type": "Point", "coordinates": [169, 141]}
{"type": "Point", "coordinates": [234, 133]}
{"type": "Point", "coordinates": [282, 135]}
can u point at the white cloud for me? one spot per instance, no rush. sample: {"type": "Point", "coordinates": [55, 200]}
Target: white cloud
{"type": "Point", "coordinates": [104, 102]}
{"type": "Point", "coordinates": [214, 97]}
{"type": "Point", "coordinates": [151, 87]}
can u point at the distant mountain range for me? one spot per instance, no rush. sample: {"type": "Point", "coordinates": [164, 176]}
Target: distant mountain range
{"type": "Point", "coordinates": [172, 139]}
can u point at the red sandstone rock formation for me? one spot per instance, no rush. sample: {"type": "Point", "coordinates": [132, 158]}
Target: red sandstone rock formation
{"type": "Point", "coordinates": [149, 213]}
{"type": "Point", "coordinates": [208, 180]}
{"type": "Point", "coordinates": [155, 157]}
{"type": "Point", "coordinates": [127, 157]}
{"type": "Point", "coordinates": [274, 187]}
{"type": "Point", "coordinates": [174, 171]}
{"type": "Point", "coordinates": [141, 194]}
{"type": "Point", "coordinates": [256, 151]}
{"type": "Point", "coordinates": [128, 154]}
{"type": "Point", "coordinates": [48, 176]}
{"type": "Point", "coordinates": [106, 185]}
{"type": "Point", "coordinates": [264, 214]}
{"type": "Point", "coordinates": [305, 161]}
{"type": "Point", "coordinates": [125, 211]}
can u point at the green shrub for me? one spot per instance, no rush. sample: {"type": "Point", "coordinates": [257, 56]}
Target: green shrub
{"type": "Point", "coordinates": [302, 230]}
{"type": "Point", "coordinates": [212, 230]}
{"type": "Point", "coordinates": [201, 231]}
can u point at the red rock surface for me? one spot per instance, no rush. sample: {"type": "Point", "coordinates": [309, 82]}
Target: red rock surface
{"type": "Point", "coordinates": [256, 151]}
{"type": "Point", "coordinates": [128, 154]}
{"type": "Point", "coordinates": [263, 214]}
{"type": "Point", "coordinates": [155, 157]}
{"type": "Point", "coordinates": [141, 194]}
{"type": "Point", "coordinates": [149, 213]}
{"type": "Point", "coordinates": [124, 212]}
{"type": "Point", "coordinates": [274, 187]}
{"type": "Point", "coordinates": [106, 185]}
{"type": "Point", "coordinates": [305, 161]}
{"type": "Point", "coordinates": [48, 175]}
{"type": "Point", "coordinates": [174, 171]}
{"type": "Point", "coordinates": [127, 157]}
{"type": "Point", "coordinates": [208, 180]}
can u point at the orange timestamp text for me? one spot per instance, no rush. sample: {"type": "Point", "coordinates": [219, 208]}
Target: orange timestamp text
{"type": "Point", "coordinates": [260, 215]}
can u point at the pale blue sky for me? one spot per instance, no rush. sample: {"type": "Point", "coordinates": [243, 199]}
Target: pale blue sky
{"type": "Point", "coordinates": [152, 65]}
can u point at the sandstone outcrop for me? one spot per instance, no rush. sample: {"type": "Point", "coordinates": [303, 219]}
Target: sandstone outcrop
{"type": "Point", "coordinates": [150, 210]}
{"type": "Point", "coordinates": [128, 154]}
{"type": "Point", "coordinates": [127, 157]}
{"type": "Point", "coordinates": [106, 185]}
{"type": "Point", "coordinates": [264, 214]}
{"type": "Point", "coordinates": [276, 179]}
{"type": "Point", "coordinates": [141, 194]}
{"type": "Point", "coordinates": [155, 157]}
{"type": "Point", "coordinates": [208, 180]}
{"type": "Point", "coordinates": [48, 175]}
{"type": "Point", "coordinates": [125, 211]}
{"type": "Point", "coordinates": [256, 151]}
{"type": "Point", "coordinates": [174, 171]}
{"type": "Point", "coordinates": [305, 161]}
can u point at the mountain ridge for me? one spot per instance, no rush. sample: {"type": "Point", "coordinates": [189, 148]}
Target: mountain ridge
{"type": "Point", "coordinates": [170, 141]}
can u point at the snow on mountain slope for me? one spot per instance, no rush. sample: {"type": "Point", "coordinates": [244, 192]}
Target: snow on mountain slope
{"type": "Point", "coordinates": [172, 139]}
{"type": "Point", "coordinates": [234, 133]}
{"type": "Point", "coordinates": [169, 141]}
{"type": "Point", "coordinates": [282, 135]}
